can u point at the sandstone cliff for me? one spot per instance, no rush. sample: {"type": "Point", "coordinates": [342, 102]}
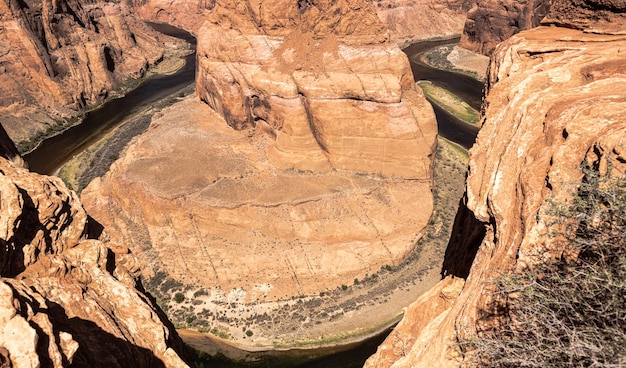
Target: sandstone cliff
{"type": "Point", "coordinates": [57, 57]}
{"type": "Point", "coordinates": [556, 97]}
{"type": "Point", "coordinates": [187, 14]}
{"type": "Point", "coordinates": [490, 22]}
{"type": "Point", "coordinates": [326, 177]}
{"type": "Point", "coordinates": [410, 20]}
{"type": "Point", "coordinates": [65, 298]}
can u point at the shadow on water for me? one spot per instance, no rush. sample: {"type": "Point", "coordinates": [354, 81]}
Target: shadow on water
{"type": "Point", "coordinates": [53, 152]}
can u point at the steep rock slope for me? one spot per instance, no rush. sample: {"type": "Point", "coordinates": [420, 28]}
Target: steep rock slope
{"type": "Point", "coordinates": [325, 178]}
{"type": "Point", "coordinates": [411, 20]}
{"type": "Point", "coordinates": [187, 14]}
{"type": "Point", "coordinates": [57, 57]}
{"type": "Point", "coordinates": [66, 299]}
{"type": "Point", "coordinates": [556, 97]}
{"type": "Point", "coordinates": [324, 79]}
{"type": "Point", "coordinates": [490, 22]}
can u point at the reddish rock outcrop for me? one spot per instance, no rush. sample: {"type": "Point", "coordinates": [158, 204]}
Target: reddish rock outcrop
{"type": "Point", "coordinates": [187, 14]}
{"type": "Point", "coordinates": [556, 97]}
{"type": "Point", "coordinates": [57, 57]}
{"type": "Point", "coordinates": [490, 22]}
{"type": "Point", "coordinates": [411, 20]}
{"type": "Point", "coordinates": [65, 299]}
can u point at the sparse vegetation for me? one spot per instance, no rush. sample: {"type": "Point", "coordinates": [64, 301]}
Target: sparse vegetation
{"type": "Point", "coordinates": [179, 297]}
{"type": "Point", "coordinates": [450, 102]}
{"type": "Point", "coordinates": [570, 312]}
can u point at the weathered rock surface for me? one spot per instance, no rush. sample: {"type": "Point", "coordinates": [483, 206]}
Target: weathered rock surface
{"type": "Point", "coordinates": [57, 57]}
{"type": "Point", "coordinates": [186, 14]}
{"type": "Point", "coordinates": [66, 299]}
{"type": "Point", "coordinates": [411, 20]}
{"type": "Point", "coordinates": [556, 97]}
{"type": "Point", "coordinates": [324, 80]}
{"type": "Point", "coordinates": [490, 22]}
{"type": "Point", "coordinates": [203, 203]}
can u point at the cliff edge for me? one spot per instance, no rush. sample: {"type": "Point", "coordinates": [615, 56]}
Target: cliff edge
{"type": "Point", "coordinates": [556, 97]}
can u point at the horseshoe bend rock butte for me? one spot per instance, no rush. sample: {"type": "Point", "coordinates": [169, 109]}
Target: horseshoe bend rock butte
{"type": "Point", "coordinates": [67, 299]}
{"type": "Point", "coordinates": [313, 169]}
{"type": "Point", "coordinates": [556, 96]}
{"type": "Point", "coordinates": [57, 57]}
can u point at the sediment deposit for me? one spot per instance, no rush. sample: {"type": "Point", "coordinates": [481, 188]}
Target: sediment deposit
{"type": "Point", "coordinates": [556, 97]}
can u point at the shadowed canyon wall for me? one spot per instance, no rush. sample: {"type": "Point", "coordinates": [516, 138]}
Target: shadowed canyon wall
{"type": "Point", "coordinates": [490, 22]}
{"type": "Point", "coordinates": [65, 297]}
{"type": "Point", "coordinates": [556, 97]}
{"type": "Point", "coordinates": [58, 57]}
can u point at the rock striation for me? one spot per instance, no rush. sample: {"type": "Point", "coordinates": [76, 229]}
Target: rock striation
{"type": "Point", "coordinates": [186, 14]}
{"type": "Point", "coordinates": [323, 79]}
{"type": "Point", "coordinates": [66, 298]}
{"type": "Point", "coordinates": [410, 21]}
{"type": "Point", "coordinates": [556, 97]}
{"type": "Point", "coordinates": [58, 57]}
{"type": "Point", "coordinates": [490, 22]}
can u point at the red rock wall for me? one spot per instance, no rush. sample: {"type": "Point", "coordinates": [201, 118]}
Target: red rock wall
{"type": "Point", "coordinates": [66, 299]}
{"type": "Point", "coordinates": [490, 22]}
{"type": "Point", "coordinates": [57, 57]}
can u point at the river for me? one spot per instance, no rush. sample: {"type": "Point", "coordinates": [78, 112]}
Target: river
{"type": "Point", "coordinates": [54, 152]}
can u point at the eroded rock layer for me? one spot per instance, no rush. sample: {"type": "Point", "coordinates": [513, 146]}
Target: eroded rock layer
{"type": "Point", "coordinates": [57, 57]}
{"type": "Point", "coordinates": [66, 299]}
{"type": "Point", "coordinates": [557, 97]}
{"type": "Point", "coordinates": [203, 203]}
{"type": "Point", "coordinates": [323, 79]}
{"type": "Point", "coordinates": [490, 22]}
{"type": "Point", "coordinates": [410, 20]}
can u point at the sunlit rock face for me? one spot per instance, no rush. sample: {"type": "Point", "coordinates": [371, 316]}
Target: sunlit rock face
{"type": "Point", "coordinates": [490, 22]}
{"type": "Point", "coordinates": [65, 297]}
{"type": "Point", "coordinates": [187, 14]}
{"type": "Point", "coordinates": [415, 20]}
{"type": "Point", "coordinates": [303, 163]}
{"type": "Point", "coordinates": [323, 79]}
{"type": "Point", "coordinates": [556, 97]}
{"type": "Point", "coordinates": [57, 57]}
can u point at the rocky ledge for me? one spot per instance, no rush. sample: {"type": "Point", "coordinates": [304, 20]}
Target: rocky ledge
{"type": "Point", "coordinates": [67, 298]}
{"type": "Point", "coordinates": [556, 97]}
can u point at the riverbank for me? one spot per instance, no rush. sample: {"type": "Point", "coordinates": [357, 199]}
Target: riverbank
{"type": "Point", "coordinates": [359, 311]}
{"type": "Point", "coordinates": [453, 58]}
{"type": "Point", "coordinates": [173, 59]}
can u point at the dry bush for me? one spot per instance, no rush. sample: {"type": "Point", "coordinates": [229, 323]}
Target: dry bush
{"type": "Point", "coordinates": [570, 313]}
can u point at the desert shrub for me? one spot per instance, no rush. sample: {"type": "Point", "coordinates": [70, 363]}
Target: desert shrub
{"type": "Point", "coordinates": [571, 312]}
{"type": "Point", "coordinates": [179, 297]}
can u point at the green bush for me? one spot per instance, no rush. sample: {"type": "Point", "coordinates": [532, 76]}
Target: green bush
{"type": "Point", "coordinates": [572, 312]}
{"type": "Point", "coordinates": [179, 297]}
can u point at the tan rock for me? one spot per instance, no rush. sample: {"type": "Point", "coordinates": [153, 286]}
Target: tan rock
{"type": "Point", "coordinates": [556, 97]}
{"type": "Point", "coordinates": [410, 20]}
{"type": "Point", "coordinates": [65, 299]}
{"type": "Point", "coordinates": [221, 216]}
{"type": "Point", "coordinates": [324, 80]}
{"type": "Point", "coordinates": [57, 57]}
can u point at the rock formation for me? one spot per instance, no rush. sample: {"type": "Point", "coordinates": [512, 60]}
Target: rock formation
{"type": "Point", "coordinates": [187, 14]}
{"type": "Point", "coordinates": [325, 178]}
{"type": "Point", "coordinates": [410, 20]}
{"type": "Point", "coordinates": [490, 22]}
{"type": "Point", "coordinates": [323, 79]}
{"type": "Point", "coordinates": [556, 96]}
{"type": "Point", "coordinates": [66, 298]}
{"type": "Point", "coordinates": [57, 57]}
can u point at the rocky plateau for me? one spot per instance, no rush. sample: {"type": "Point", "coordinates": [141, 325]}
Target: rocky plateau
{"type": "Point", "coordinates": [556, 97]}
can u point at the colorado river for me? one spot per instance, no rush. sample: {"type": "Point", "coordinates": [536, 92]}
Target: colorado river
{"type": "Point", "coordinates": [54, 152]}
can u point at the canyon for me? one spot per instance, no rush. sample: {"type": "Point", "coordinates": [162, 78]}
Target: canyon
{"type": "Point", "coordinates": [270, 207]}
{"type": "Point", "coordinates": [555, 98]}
{"type": "Point", "coordinates": [58, 58]}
